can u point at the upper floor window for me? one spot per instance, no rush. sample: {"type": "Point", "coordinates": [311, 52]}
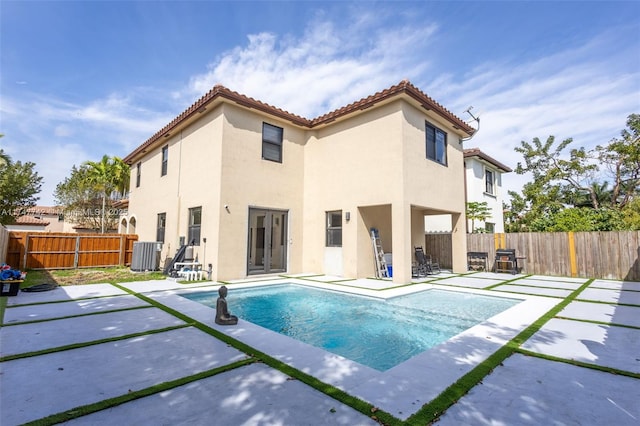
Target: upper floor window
{"type": "Point", "coordinates": [165, 160]}
{"type": "Point", "coordinates": [436, 144]}
{"type": "Point", "coordinates": [489, 181]}
{"type": "Point", "coordinates": [334, 228]}
{"type": "Point", "coordinates": [138, 172]}
{"type": "Point", "coordinates": [162, 224]}
{"type": "Point", "coordinates": [271, 142]}
{"type": "Point", "coordinates": [195, 220]}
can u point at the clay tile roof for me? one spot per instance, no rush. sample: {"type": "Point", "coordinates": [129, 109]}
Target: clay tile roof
{"type": "Point", "coordinates": [38, 210]}
{"type": "Point", "coordinates": [30, 220]}
{"type": "Point", "coordinates": [219, 91]}
{"type": "Point", "coordinates": [405, 87]}
{"type": "Point", "coordinates": [475, 152]}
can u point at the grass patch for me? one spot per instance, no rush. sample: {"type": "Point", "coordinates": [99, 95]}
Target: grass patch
{"type": "Point", "coordinates": [88, 276]}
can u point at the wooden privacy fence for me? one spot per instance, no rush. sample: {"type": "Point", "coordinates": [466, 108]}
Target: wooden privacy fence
{"type": "Point", "coordinates": [4, 242]}
{"type": "Point", "coordinates": [40, 250]}
{"type": "Point", "coordinates": [612, 255]}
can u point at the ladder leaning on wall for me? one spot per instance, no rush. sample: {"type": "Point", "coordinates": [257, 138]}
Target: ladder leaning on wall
{"type": "Point", "coordinates": [378, 255]}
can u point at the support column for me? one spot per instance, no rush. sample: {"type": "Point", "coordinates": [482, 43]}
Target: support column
{"type": "Point", "coordinates": [458, 243]}
{"type": "Point", "coordinates": [401, 244]}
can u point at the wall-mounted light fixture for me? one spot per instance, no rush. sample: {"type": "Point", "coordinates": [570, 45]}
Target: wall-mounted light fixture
{"type": "Point", "coordinates": [347, 216]}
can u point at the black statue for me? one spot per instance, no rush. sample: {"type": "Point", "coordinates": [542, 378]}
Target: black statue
{"type": "Point", "coordinates": [223, 317]}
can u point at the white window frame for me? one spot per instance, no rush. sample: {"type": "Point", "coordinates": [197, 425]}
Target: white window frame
{"type": "Point", "coordinates": [334, 230]}
{"type": "Point", "coordinates": [194, 231]}
{"type": "Point", "coordinates": [494, 178]}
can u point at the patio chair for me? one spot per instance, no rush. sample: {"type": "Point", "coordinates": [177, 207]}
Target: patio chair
{"type": "Point", "coordinates": [425, 264]}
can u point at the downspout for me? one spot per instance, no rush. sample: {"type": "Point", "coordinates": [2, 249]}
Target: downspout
{"type": "Point", "coordinates": [177, 231]}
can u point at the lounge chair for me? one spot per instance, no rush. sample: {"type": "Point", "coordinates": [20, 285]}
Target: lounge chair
{"type": "Point", "coordinates": [425, 264]}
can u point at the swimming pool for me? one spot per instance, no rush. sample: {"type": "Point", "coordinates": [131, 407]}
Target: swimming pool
{"type": "Point", "coordinates": [379, 333]}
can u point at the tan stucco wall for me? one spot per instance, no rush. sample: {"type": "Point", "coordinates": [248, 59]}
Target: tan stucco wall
{"type": "Point", "coordinates": [192, 180]}
{"type": "Point", "coordinates": [250, 181]}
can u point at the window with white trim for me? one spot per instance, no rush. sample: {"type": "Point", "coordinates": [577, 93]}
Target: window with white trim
{"type": "Point", "coordinates": [334, 228]}
{"type": "Point", "coordinates": [489, 182]}
{"type": "Point", "coordinates": [162, 224]}
{"type": "Point", "coordinates": [195, 221]}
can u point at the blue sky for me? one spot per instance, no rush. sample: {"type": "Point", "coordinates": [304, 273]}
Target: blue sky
{"type": "Point", "coordinates": [79, 79]}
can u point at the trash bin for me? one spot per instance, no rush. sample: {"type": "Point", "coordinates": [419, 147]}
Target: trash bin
{"type": "Point", "coordinates": [388, 259]}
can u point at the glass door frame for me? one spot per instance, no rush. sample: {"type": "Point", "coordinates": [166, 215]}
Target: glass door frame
{"type": "Point", "coordinates": [266, 234]}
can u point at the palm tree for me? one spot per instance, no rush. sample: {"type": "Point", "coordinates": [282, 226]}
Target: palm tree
{"type": "Point", "coordinates": [4, 158]}
{"type": "Point", "coordinates": [107, 175]}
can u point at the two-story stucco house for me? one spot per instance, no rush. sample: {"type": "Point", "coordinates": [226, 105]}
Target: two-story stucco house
{"type": "Point", "coordinates": [261, 190]}
{"type": "Point", "coordinates": [483, 176]}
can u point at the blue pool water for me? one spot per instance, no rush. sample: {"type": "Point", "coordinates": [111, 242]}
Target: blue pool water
{"type": "Point", "coordinates": [378, 333]}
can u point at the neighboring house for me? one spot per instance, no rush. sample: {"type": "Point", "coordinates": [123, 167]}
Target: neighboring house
{"type": "Point", "coordinates": [483, 182]}
{"type": "Point", "coordinates": [483, 176]}
{"type": "Point", "coordinates": [53, 219]}
{"type": "Point", "coordinates": [260, 190]}
{"type": "Point", "coordinates": [39, 219]}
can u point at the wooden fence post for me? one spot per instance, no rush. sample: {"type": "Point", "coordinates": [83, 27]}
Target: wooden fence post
{"type": "Point", "coordinates": [572, 254]}
{"type": "Point", "coordinates": [26, 252]}
{"type": "Point", "coordinates": [122, 249]}
{"type": "Point", "coordinates": [77, 254]}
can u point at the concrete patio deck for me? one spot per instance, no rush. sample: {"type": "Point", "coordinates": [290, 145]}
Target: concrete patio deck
{"type": "Point", "coordinates": [138, 353]}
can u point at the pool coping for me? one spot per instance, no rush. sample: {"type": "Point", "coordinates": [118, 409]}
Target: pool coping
{"type": "Point", "coordinates": [402, 390]}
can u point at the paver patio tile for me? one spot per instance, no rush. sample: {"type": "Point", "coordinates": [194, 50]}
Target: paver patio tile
{"type": "Point", "coordinates": [603, 312]}
{"type": "Point", "coordinates": [469, 281]}
{"type": "Point", "coordinates": [547, 283]}
{"type": "Point", "coordinates": [74, 307]}
{"type": "Point", "coordinates": [251, 395]}
{"type": "Point", "coordinates": [23, 338]}
{"type": "Point", "coordinates": [531, 391]}
{"type": "Point", "coordinates": [610, 296]}
{"type": "Point", "coordinates": [553, 292]}
{"type": "Point", "coordinates": [616, 285]}
{"type": "Point", "coordinates": [65, 293]}
{"type": "Point", "coordinates": [563, 279]}
{"type": "Point", "coordinates": [604, 345]}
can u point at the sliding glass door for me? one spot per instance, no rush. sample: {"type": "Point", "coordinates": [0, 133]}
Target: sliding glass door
{"type": "Point", "coordinates": [267, 247]}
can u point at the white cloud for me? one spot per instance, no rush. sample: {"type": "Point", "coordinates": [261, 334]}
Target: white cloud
{"type": "Point", "coordinates": [56, 134]}
{"type": "Point", "coordinates": [579, 94]}
{"type": "Point", "coordinates": [325, 68]}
